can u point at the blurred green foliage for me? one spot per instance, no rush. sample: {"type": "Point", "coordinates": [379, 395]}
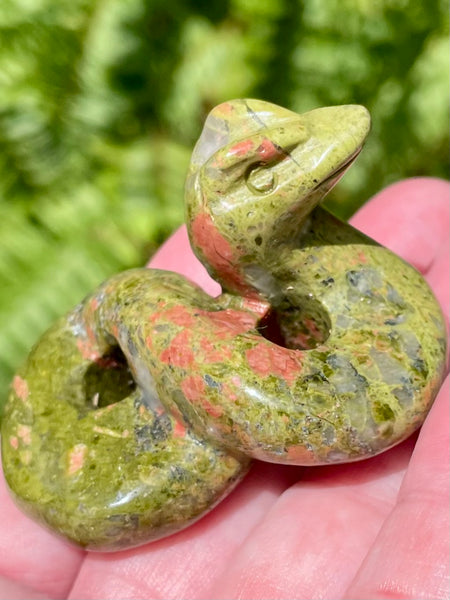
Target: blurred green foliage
{"type": "Point", "coordinates": [101, 103]}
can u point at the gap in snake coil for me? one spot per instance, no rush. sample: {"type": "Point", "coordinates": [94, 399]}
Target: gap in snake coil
{"type": "Point", "coordinates": [294, 328]}
{"type": "Point", "coordinates": [269, 328]}
{"type": "Point", "coordinates": [108, 380]}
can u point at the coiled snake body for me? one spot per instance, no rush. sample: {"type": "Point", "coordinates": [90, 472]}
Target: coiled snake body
{"type": "Point", "coordinates": [141, 409]}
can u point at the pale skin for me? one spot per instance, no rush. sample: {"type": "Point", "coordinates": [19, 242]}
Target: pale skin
{"type": "Point", "coordinates": [371, 530]}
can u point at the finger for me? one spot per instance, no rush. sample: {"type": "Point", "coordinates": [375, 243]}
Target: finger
{"type": "Point", "coordinates": [437, 277]}
{"type": "Point", "coordinates": [411, 218]}
{"type": "Point", "coordinates": [409, 559]}
{"type": "Point", "coordinates": [16, 591]}
{"type": "Point", "coordinates": [184, 565]}
{"type": "Point", "coordinates": [312, 540]}
{"type": "Point", "coordinates": [33, 557]}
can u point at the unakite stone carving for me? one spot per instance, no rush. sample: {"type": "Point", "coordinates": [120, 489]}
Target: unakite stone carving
{"type": "Point", "coordinates": [141, 409]}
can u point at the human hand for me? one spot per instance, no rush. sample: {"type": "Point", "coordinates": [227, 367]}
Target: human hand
{"type": "Point", "coordinates": [369, 530]}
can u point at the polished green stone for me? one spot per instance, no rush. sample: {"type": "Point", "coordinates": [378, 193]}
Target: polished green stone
{"type": "Point", "coordinates": [141, 409]}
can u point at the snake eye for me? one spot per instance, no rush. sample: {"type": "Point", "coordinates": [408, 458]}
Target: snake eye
{"type": "Point", "coordinates": [260, 179]}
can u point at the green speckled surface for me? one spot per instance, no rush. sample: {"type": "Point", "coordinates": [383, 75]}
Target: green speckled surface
{"type": "Point", "coordinates": [141, 409]}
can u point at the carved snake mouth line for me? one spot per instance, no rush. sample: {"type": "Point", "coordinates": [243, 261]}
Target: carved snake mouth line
{"type": "Point", "coordinates": [340, 170]}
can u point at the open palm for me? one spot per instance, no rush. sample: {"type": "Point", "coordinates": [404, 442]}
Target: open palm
{"type": "Point", "coordinates": [369, 530]}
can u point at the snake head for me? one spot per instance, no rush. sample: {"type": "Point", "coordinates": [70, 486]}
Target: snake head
{"type": "Point", "coordinates": [256, 173]}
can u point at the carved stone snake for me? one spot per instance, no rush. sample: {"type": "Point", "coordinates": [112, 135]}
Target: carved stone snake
{"type": "Point", "coordinates": [141, 409]}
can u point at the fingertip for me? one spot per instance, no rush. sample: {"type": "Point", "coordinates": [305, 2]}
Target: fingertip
{"type": "Point", "coordinates": [430, 465]}
{"type": "Point", "coordinates": [32, 558]}
{"type": "Point", "coordinates": [411, 217]}
{"type": "Point", "coordinates": [437, 277]}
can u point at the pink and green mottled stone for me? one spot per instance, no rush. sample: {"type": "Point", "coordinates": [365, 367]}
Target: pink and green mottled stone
{"type": "Point", "coordinates": [140, 410]}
